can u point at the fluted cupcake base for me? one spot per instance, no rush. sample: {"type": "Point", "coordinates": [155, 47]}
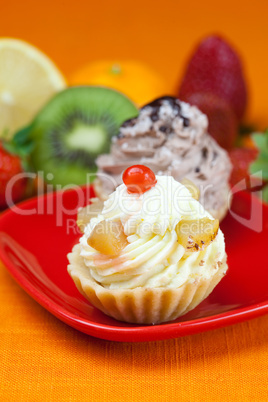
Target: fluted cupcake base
{"type": "Point", "coordinates": [142, 305]}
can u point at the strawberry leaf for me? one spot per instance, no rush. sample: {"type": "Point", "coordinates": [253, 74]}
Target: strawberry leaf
{"type": "Point", "coordinates": [23, 136]}
{"type": "Point", "coordinates": [261, 163]}
{"type": "Point", "coordinates": [265, 194]}
{"type": "Point", "coordinates": [21, 144]}
{"type": "Point", "coordinates": [260, 167]}
{"type": "Point", "coordinates": [261, 141]}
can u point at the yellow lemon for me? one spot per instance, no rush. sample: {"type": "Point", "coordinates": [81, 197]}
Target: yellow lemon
{"type": "Point", "coordinates": [28, 79]}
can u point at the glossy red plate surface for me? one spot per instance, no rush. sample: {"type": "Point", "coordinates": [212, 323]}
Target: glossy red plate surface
{"type": "Point", "coordinates": [36, 236]}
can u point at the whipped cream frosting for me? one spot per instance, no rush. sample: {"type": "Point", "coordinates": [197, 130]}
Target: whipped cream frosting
{"type": "Point", "coordinates": [153, 257]}
{"type": "Point", "coordinates": [171, 138]}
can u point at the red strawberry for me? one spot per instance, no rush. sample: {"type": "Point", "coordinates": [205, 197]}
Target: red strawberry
{"type": "Point", "coordinates": [10, 166]}
{"type": "Point", "coordinates": [215, 67]}
{"type": "Point", "coordinates": [223, 126]}
{"type": "Point", "coordinates": [241, 159]}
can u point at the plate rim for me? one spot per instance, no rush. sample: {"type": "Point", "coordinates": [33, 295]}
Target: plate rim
{"type": "Point", "coordinates": [135, 333]}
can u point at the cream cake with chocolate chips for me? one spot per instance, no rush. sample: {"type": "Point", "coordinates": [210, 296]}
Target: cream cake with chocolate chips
{"type": "Point", "coordinates": [171, 138]}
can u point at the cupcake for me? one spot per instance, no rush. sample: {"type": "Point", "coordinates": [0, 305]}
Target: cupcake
{"type": "Point", "coordinates": [151, 253]}
{"type": "Point", "coordinates": [171, 138]}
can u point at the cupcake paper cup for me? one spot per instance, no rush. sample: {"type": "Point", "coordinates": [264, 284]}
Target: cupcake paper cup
{"type": "Point", "coordinates": [142, 305]}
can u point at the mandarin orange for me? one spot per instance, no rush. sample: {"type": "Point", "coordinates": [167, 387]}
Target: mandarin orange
{"type": "Point", "coordinates": [137, 80]}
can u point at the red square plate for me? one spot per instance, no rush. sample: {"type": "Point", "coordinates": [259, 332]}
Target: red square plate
{"type": "Point", "coordinates": [36, 235]}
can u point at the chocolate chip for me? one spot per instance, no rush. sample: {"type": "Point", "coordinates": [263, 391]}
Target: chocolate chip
{"type": "Point", "coordinates": [201, 176]}
{"type": "Point", "coordinates": [204, 152]}
{"type": "Point", "coordinates": [186, 121]}
{"type": "Point", "coordinates": [197, 169]}
{"type": "Point", "coordinates": [163, 129]}
{"type": "Point", "coordinates": [129, 123]}
{"type": "Point", "coordinates": [154, 116]}
{"type": "Point", "coordinates": [159, 101]}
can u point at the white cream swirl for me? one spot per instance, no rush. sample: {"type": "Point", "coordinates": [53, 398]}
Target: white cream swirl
{"type": "Point", "coordinates": [155, 211]}
{"type": "Point", "coordinates": [153, 257]}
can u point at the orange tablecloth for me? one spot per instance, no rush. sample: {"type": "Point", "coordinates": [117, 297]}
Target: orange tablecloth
{"type": "Point", "coordinates": [42, 359]}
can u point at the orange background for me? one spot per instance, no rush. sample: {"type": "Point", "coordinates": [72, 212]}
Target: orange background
{"type": "Point", "coordinates": [42, 359]}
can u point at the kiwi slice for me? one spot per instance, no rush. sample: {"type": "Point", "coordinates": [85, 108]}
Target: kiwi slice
{"type": "Point", "coordinates": [73, 129]}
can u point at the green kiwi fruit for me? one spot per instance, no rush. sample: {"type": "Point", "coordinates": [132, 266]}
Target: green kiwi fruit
{"type": "Point", "coordinates": [73, 129]}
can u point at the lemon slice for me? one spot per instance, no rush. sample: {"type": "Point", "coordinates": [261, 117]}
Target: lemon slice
{"type": "Point", "coordinates": [28, 79]}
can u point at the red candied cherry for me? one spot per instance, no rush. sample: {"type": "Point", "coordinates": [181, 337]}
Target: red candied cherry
{"type": "Point", "coordinates": [139, 179]}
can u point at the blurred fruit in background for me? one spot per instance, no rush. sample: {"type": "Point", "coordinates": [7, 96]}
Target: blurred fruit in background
{"type": "Point", "coordinates": [216, 67]}
{"type": "Point", "coordinates": [67, 135]}
{"type": "Point", "coordinates": [10, 167]}
{"type": "Point", "coordinates": [28, 79]}
{"type": "Point", "coordinates": [62, 134]}
{"type": "Point", "coordinates": [135, 79]}
{"type": "Point", "coordinates": [241, 159]}
{"type": "Point", "coordinates": [214, 81]}
{"type": "Point", "coordinates": [223, 125]}
{"type": "Point", "coordinates": [250, 163]}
